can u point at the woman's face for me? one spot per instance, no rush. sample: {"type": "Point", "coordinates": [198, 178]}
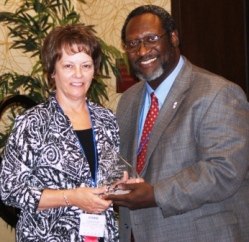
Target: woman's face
{"type": "Point", "coordinates": [73, 75]}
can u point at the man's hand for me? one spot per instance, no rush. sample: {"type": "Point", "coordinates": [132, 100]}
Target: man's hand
{"type": "Point", "coordinates": [141, 195]}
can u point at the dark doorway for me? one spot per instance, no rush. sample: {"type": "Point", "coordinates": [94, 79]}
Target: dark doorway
{"type": "Point", "coordinates": [214, 35]}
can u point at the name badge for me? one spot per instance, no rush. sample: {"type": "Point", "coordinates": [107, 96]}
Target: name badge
{"type": "Point", "coordinates": [92, 225]}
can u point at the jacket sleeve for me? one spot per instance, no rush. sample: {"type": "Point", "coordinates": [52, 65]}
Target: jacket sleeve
{"type": "Point", "coordinates": [16, 174]}
{"type": "Point", "coordinates": [221, 145]}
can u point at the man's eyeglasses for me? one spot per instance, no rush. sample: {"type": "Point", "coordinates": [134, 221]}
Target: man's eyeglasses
{"type": "Point", "coordinates": [150, 41]}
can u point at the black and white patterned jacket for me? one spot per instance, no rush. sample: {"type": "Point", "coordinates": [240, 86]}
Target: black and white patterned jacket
{"type": "Point", "coordinates": [43, 152]}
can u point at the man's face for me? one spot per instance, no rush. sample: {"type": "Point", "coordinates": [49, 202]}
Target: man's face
{"type": "Point", "coordinates": [156, 63]}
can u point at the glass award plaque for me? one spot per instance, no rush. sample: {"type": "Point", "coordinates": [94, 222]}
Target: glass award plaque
{"type": "Point", "coordinates": [120, 172]}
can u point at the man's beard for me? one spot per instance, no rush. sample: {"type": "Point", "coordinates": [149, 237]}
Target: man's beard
{"type": "Point", "coordinates": [160, 69]}
{"type": "Point", "coordinates": [155, 74]}
{"type": "Point", "coordinates": [148, 77]}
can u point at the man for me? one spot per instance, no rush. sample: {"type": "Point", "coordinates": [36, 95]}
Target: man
{"type": "Point", "coordinates": [196, 165]}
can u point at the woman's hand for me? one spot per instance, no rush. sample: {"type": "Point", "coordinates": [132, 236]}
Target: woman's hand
{"type": "Point", "coordinates": [86, 198]}
{"type": "Point", "coordinates": [90, 199]}
{"type": "Point", "coordinates": [135, 180]}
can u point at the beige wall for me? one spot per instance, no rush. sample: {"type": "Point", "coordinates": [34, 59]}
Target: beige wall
{"type": "Point", "coordinates": [107, 16]}
{"type": "Point", "coordinates": [6, 233]}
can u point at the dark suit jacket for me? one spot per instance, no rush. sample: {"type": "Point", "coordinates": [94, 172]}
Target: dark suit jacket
{"type": "Point", "coordinates": [197, 161]}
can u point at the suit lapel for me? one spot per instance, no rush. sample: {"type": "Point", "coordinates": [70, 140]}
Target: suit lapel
{"type": "Point", "coordinates": [170, 107]}
{"type": "Point", "coordinates": [137, 107]}
{"type": "Point", "coordinates": [130, 120]}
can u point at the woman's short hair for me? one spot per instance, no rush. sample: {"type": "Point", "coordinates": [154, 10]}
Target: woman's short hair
{"type": "Point", "coordinates": [73, 38]}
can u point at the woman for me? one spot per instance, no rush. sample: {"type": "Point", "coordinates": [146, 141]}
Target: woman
{"type": "Point", "coordinates": [60, 151]}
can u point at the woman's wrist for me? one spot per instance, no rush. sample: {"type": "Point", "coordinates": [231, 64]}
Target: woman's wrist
{"type": "Point", "coordinates": [64, 195]}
